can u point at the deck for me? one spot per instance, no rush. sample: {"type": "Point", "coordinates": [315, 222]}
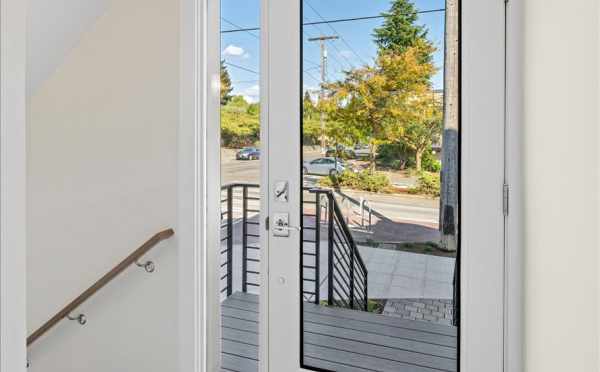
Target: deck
{"type": "Point", "coordinates": [342, 340]}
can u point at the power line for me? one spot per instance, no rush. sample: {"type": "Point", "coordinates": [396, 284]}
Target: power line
{"type": "Point", "coordinates": [310, 75]}
{"type": "Point", "coordinates": [366, 18]}
{"type": "Point", "coordinates": [239, 27]}
{"type": "Point", "coordinates": [339, 20]}
{"type": "Point", "coordinates": [337, 33]}
{"type": "Point", "coordinates": [256, 36]}
{"type": "Point", "coordinates": [256, 72]}
{"type": "Point", "coordinates": [311, 62]}
{"type": "Point", "coordinates": [330, 42]}
{"type": "Point", "coordinates": [245, 82]}
{"type": "Point", "coordinates": [333, 58]}
{"type": "Point", "coordinates": [241, 67]}
{"type": "Point", "coordinates": [240, 30]}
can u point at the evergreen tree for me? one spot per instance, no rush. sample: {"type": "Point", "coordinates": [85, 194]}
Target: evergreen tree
{"type": "Point", "coordinates": [226, 87]}
{"type": "Point", "coordinates": [309, 107]}
{"type": "Point", "coordinates": [400, 30]}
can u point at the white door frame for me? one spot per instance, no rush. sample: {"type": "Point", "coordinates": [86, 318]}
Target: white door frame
{"type": "Point", "coordinates": [199, 186]}
{"type": "Point", "coordinates": [514, 262]}
{"type": "Point", "coordinates": [12, 185]}
{"type": "Point", "coordinates": [482, 180]}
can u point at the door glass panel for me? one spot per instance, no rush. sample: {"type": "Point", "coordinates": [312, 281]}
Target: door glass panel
{"type": "Point", "coordinates": [240, 184]}
{"type": "Point", "coordinates": [380, 222]}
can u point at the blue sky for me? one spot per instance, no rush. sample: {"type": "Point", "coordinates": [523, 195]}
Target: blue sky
{"type": "Point", "coordinates": [354, 48]}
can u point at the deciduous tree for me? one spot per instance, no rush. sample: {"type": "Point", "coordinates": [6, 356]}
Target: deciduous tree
{"type": "Point", "coordinates": [373, 104]}
{"type": "Point", "coordinates": [424, 125]}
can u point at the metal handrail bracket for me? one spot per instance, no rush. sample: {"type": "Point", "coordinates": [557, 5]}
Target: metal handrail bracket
{"type": "Point", "coordinates": [133, 258]}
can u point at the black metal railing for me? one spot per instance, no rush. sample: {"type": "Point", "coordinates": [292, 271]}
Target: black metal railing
{"type": "Point", "coordinates": [456, 294]}
{"type": "Point", "coordinates": [314, 212]}
{"type": "Point", "coordinates": [347, 275]}
{"type": "Point", "coordinates": [345, 278]}
{"type": "Point", "coordinates": [240, 206]}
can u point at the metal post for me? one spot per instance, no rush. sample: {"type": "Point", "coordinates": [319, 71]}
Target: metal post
{"type": "Point", "coordinates": [370, 217]}
{"type": "Point", "coordinates": [317, 246]}
{"type": "Point", "coordinates": [455, 297]}
{"type": "Point", "coordinates": [352, 253]}
{"type": "Point", "coordinates": [244, 239]}
{"type": "Point", "coordinates": [366, 291]}
{"type": "Point", "coordinates": [330, 249]}
{"type": "Point", "coordinates": [362, 212]}
{"type": "Point", "coordinates": [229, 241]}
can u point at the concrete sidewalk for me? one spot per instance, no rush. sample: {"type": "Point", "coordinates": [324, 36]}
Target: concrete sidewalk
{"type": "Point", "coordinates": [396, 274]}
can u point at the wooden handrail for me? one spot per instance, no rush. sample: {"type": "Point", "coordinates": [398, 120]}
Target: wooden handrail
{"type": "Point", "coordinates": [131, 259]}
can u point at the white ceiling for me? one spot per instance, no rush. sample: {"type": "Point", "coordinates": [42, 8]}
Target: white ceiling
{"type": "Point", "coordinates": [54, 28]}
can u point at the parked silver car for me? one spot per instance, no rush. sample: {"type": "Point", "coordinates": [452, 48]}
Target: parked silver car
{"type": "Point", "coordinates": [328, 166]}
{"type": "Point", "coordinates": [362, 151]}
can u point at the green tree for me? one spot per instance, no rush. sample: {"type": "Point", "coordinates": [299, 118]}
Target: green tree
{"type": "Point", "coordinates": [311, 126]}
{"type": "Point", "coordinates": [309, 107]}
{"type": "Point", "coordinates": [373, 104]}
{"type": "Point", "coordinates": [226, 86]}
{"type": "Point", "coordinates": [423, 127]}
{"type": "Point", "coordinates": [400, 30]}
{"type": "Point", "coordinates": [240, 124]}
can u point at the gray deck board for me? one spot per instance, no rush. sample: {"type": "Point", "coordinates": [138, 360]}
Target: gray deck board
{"type": "Point", "coordinates": [342, 340]}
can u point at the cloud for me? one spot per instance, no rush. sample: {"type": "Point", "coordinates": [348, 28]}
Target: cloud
{"type": "Point", "coordinates": [235, 51]}
{"type": "Point", "coordinates": [252, 94]}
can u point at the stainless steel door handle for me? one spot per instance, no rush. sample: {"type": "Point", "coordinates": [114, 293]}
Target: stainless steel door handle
{"type": "Point", "coordinates": [288, 228]}
{"type": "Point", "coordinates": [281, 226]}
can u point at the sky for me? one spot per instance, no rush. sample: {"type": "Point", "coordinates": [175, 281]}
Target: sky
{"type": "Point", "coordinates": [355, 47]}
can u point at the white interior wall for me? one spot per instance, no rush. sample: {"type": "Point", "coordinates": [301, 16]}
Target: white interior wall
{"type": "Point", "coordinates": [54, 28]}
{"type": "Point", "coordinates": [561, 164]}
{"type": "Point", "coordinates": [102, 160]}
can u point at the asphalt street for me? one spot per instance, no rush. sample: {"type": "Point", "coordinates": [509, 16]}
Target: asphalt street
{"type": "Point", "coordinates": [395, 207]}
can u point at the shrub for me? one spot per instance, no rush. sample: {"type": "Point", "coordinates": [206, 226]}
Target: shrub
{"type": "Point", "coordinates": [429, 162]}
{"type": "Point", "coordinates": [364, 180]}
{"type": "Point", "coordinates": [393, 155]}
{"type": "Point", "coordinates": [398, 156]}
{"type": "Point", "coordinates": [427, 184]}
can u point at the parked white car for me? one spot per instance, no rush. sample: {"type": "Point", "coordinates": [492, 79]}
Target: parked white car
{"type": "Point", "coordinates": [328, 166]}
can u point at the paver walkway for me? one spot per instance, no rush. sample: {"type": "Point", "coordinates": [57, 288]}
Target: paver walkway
{"type": "Point", "coordinates": [428, 310]}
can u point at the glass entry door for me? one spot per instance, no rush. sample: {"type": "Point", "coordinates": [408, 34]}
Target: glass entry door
{"type": "Point", "coordinates": [365, 272]}
{"type": "Point", "coordinates": [354, 246]}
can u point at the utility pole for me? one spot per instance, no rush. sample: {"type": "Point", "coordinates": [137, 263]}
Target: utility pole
{"type": "Point", "coordinates": [449, 187]}
{"type": "Point", "coordinates": [322, 39]}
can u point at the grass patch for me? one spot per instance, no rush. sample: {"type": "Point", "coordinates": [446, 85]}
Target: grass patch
{"type": "Point", "coordinates": [374, 306]}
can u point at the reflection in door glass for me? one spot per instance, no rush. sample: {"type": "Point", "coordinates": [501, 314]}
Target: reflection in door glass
{"type": "Point", "coordinates": [380, 200]}
{"type": "Point", "coordinates": [240, 184]}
